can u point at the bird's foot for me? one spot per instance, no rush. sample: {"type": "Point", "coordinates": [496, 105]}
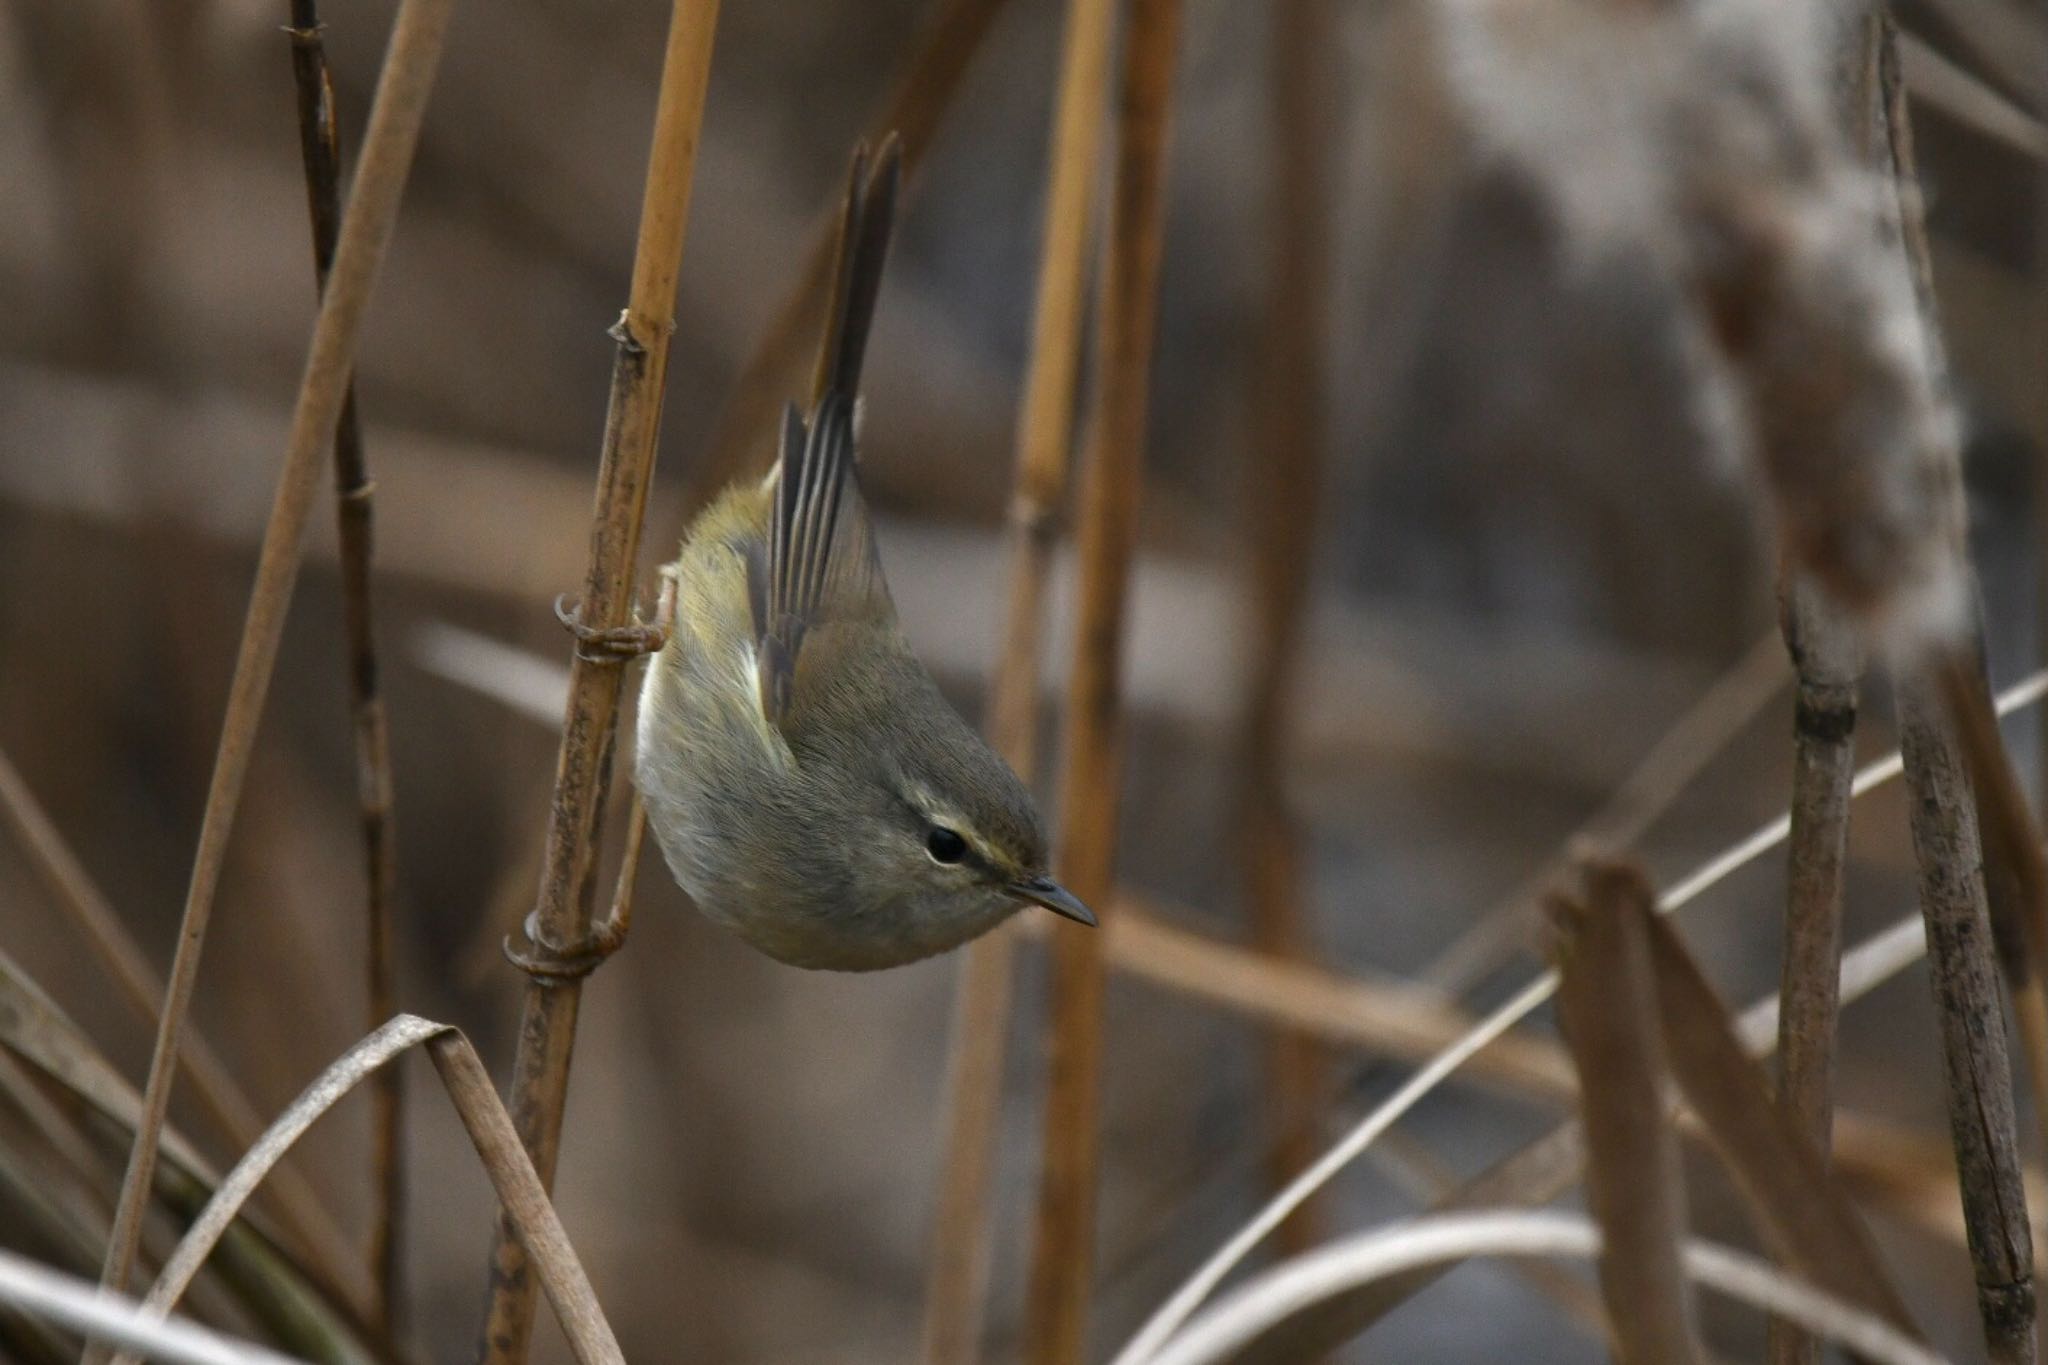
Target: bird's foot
{"type": "Point", "coordinates": [546, 961]}
{"type": "Point", "coordinates": [621, 644]}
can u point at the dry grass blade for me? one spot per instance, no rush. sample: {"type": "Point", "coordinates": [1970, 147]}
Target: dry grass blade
{"type": "Point", "coordinates": [1063, 1255]}
{"type": "Point", "coordinates": [1175, 1311]}
{"type": "Point", "coordinates": [320, 152]}
{"type": "Point", "coordinates": [1827, 661]}
{"type": "Point", "coordinates": [1280, 499]}
{"type": "Point", "coordinates": [293, 1201]}
{"type": "Point", "coordinates": [775, 368]}
{"type": "Point", "coordinates": [519, 1189]}
{"type": "Point", "coordinates": [395, 117]}
{"type": "Point", "coordinates": [117, 1320]}
{"type": "Point", "coordinates": [1607, 1010]}
{"type": "Point", "coordinates": [957, 1283]}
{"type": "Point", "coordinates": [1235, 1329]}
{"type": "Point", "coordinates": [1775, 1163]}
{"type": "Point", "coordinates": [561, 923]}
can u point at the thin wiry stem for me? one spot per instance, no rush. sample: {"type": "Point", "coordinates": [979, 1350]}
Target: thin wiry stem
{"type": "Point", "coordinates": [1280, 501]}
{"type": "Point", "coordinates": [395, 117]}
{"type": "Point", "coordinates": [289, 1197]}
{"type": "Point", "coordinates": [957, 1284]}
{"type": "Point", "coordinates": [562, 918]}
{"type": "Point", "coordinates": [320, 152]}
{"type": "Point", "coordinates": [1063, 1256]}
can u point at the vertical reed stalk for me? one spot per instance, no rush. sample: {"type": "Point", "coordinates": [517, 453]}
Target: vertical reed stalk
{"type": "Point", "coordinates": [1280, 500]}
{"type": "Point", "coordinates": [1962, 949]}
{"type": "Point", "coordinates": [320, 151]}
{"type": "Point", "coordinates": [395, 117]}
{"type": "Point", "coordinates": [1826, 658]}
{"type": "Point", "coordinates": [957, 1286]}
{"type": "Point", "coordinates": [562, 918]}
{"type": "Point", "coordinates": [1063, 1257]}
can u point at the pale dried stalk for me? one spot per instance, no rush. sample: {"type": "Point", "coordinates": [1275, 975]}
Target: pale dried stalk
{"type": "Point", "coordinates": [1063, 1255]}
{"type": "Point", "coordinates": [291, 1199]}
{"type": "Point", "coordinates": [320, 153]}
{"type": "Point", "coordinates": [518, 1185]}
{"type": "Point", "coordinates": [1237, 1329]}
{"type": "Point", "coordinates": [116, 1319]}
{"type": "Point", "coordinates": [1826, 659]}
{"type": "Point", "coordinates": [1280, 499]}
{"type": "Point", "coordinates": [957, 1283]}
{"type": "Point", "coordinates": [1635, 1187]}
{"type": "Point", "coordinates": [562, 916]}
{"type": "Point", "coordinates": [395, 117]}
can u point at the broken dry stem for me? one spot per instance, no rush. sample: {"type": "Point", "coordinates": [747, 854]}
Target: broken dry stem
{"type": "Point", "coordinates": [562, 916]}
{"type": "Point", "coordinates": [320, 153]}
{"type": "Point", "coordinates": [395, 118]}
{"type": "Point", "coordinates": [1063, 1255]}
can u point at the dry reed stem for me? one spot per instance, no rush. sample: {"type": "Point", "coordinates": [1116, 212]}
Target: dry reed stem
{"type": "Point", "coordinates": [1280, 499]}
{"type": "Point", "coordinates": [320, 153]}
{"type": "Point", "coordinates": [1965, 980]}
{"type": "Point", "coordinates": [292, 1199]}
{"type": "Point", "coordinates": [520, 1193]}
{"type": "Point", "coordinates": [957, 1282]}
{"type": "Point", "coordinates": [1827, 662]}
{"type": "Point", "coordinates": [1240, 1329]}
{"type": "Point", "coordinates": [1635, 1187]}
{"type": "Point", "coordinates": [562, 917]}
{"type": "Point", "coordinates": [403, 86]}
{"type": "Point", "coordinates": [1063, 1254]}
{"type": "Point", "coordinates": [1694, 740]}
{"type": "Point", "coordinates": [774, 369]}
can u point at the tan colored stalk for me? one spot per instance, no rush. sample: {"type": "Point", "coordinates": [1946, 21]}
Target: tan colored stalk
{"type": "Point", "coordinates": [320, 152]}
{"type": "Point", "coordinates": [395, 117]}
{"type": "Point", "coordinates": [1063, 1256]}
{"type": "Point", "coordinates": [561, 921]}
{"type": "Point", "coordinates": [1280, 501]}
{"type": "Point", "coordinates": [1825, 656]}
{"type": "Point", "coordinates": [957, 1282]}
{"type": "Point", "coordinates": [1635, 1187]}
{"type": "Point", "coordinates": [291, 1199]}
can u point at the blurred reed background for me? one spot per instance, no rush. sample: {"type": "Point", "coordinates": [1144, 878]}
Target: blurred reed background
{"type": "Point", "coordinates": [1523, 564]}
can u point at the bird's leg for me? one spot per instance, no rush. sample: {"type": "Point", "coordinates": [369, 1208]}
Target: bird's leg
{"type": "Point", "coordinates": [621, 644]}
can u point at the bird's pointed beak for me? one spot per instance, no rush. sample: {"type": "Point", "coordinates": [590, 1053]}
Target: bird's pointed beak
{"type": "Point", "coordinates": [1054, 897]}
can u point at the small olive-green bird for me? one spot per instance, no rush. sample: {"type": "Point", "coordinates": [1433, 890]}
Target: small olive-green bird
{"type": "Point", "coordinates": [808, 784]}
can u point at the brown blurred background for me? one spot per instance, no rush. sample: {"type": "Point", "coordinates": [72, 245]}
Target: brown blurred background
{"type": "Point", "coordinates": [1527, 568]}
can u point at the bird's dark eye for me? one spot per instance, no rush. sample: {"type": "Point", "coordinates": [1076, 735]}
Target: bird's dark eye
{"type": "Point", "coordinates": [944, 845]}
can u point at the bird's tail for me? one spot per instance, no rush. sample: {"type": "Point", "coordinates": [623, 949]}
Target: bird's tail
{"type": "Point", "coordinates": [870, 212]}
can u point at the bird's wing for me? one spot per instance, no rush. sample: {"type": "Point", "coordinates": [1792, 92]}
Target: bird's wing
{"type": "Point", "coordinates": [821, 563]}
{"type": "Point", "coordinates": [822, 566]}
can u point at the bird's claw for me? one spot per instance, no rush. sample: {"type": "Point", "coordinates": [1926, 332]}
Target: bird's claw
{"type": "Point", "coordinates": [548, 962]}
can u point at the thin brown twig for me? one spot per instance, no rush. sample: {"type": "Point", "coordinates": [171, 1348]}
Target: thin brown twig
{"type": "Point", "coordinates": [1280, 501]}
{"type": "Point", "coordinates": [1825, 657]}
{"type": "Point", "coordinates": [1063, 1256]}
{"type": "Point", "coordinates": [290, 1197]}
{"type": "Point", "coordinates": [320, 153]}
{"type": "Point", "coordinates": [395, 116]}
{"type": "Point", "coordinates": [957, 1283]}
{"type": "Point", "coordinates": [561, 921]}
